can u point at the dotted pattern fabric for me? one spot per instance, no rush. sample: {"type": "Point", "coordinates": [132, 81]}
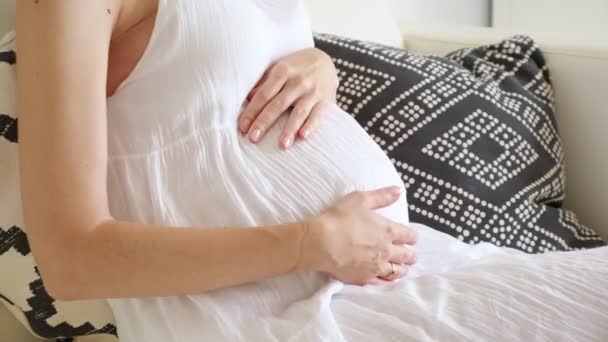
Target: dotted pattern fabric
{"type": "Point", "coordinates": [473, 136]}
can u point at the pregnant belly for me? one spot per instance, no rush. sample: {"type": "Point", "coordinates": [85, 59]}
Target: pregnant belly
{"type": "Point", "coordinates": [218, 178]}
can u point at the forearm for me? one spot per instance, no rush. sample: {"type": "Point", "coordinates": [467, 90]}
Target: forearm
{"type": "Point", "coordinates": [119, 259]}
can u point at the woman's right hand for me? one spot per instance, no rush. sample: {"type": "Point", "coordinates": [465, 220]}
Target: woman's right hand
{"type": "Point", "coordinates": [355, 245]}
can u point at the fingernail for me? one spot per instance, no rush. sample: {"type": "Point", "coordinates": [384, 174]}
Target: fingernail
{"type": "Point", "coordinates": [245, 125]}
{"type": "Point", "coordinates": [287, 142]}
{"type": "Point", "coordinates": [305, 133]}
{"type": "Point", "coordinates": [396, 191]}
{"type": "Point", "coordinates": [255, 135]}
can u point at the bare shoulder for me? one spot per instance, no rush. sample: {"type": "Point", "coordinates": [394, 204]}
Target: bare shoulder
{"type": "Point", "coordinates": [121, 15]}
{"type": "Point", "coordinates": [51, 12]}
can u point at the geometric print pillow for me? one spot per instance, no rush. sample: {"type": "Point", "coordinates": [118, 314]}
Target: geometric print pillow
{"type": "Point", "coordinates": [21, 288]}
{"type": "Point", "coordinates": [473, 136]}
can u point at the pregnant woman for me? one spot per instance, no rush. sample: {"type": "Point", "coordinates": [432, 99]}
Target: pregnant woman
{"type": "Point", "coordinates": [167, 149]}
{"type": "Point", "coordinates": [186, 160]}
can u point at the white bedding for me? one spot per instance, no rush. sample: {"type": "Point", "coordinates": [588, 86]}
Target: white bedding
{"type": "Point", "coordinates": [456, 292]}
{"type": "Point", "coordinates": [462, 292]}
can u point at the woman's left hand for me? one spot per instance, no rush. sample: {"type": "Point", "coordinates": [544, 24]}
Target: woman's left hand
{"type": "Point", "coordinates": [304, 82]}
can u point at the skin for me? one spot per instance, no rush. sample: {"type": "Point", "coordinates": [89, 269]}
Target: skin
{"type": "Point", "coordinates": [77, 45]}
{"type": "Point", "coordinates": [306, 81]}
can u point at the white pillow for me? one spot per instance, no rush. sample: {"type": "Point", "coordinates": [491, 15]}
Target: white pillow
{"type": "Point", "coordinates": [361, 19]}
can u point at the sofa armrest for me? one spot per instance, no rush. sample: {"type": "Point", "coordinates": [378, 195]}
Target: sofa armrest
{"type": "Point", "coordinates": [11, 329]}
{"type": "Point", "coordinates": [579, 73]}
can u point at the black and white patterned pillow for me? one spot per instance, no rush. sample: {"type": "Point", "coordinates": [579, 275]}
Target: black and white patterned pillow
{"type": "Point", "coordinates": [21, 288]}
{"type": "Point", "coordinates": [473, 136]}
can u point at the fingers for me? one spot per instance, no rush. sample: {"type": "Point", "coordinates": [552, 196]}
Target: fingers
{"type": "Point", "coordinates": [264, 92]}
{"type": "Point", "coordinates": [297, 117]}
{"type": "Point", "coordinates": [388, 275]}
{"type": "Point", "coordinates": [378, 281]}
{"type": "Point", "coordinates": [393, 271]}
{"type": "Point", "coordinates": [401, 234]}
{"type": "Point", "coordinates": [257, 85]}
{"type": "Point", "coordinates": [389, 272]}
{"type": "Point", "coordinates": [273, 110]}
{"type": "Point", "coordinates": [379, 198]}
{"type": "Point", "coordinates": [313, 120]}
{"type": "Point", "coordinates": [316, 80]}
{"type": "Point", "coordinates": [403, 254]}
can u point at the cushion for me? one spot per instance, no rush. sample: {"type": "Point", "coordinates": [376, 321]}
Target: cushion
{"type": "Point", "coordinates": [21, 288]}
{"type": "Point", "coordinates": [473, 136]}
{"type": "Point", "coordinates": [578, 73]}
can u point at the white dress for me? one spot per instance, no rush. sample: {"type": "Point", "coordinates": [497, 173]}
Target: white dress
{"type": "Point", "coordinates": [176, 158]}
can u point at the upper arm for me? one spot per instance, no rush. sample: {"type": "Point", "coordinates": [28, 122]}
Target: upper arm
{"type": "Point", "coordinates": [62, 53]}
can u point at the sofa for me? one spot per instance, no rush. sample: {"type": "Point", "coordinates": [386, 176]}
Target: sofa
{"type": "Point", "coordinates": [579, 72]}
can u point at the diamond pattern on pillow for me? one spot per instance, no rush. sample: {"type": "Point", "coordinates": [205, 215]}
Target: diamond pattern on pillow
{"type": "Point", "coordinates": [473, 136]}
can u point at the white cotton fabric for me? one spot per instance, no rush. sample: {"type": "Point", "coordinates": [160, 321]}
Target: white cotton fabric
{"type": "Point", "coordinates": [176, 158]}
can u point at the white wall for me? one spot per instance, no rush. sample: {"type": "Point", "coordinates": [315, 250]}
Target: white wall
{"type": "Point", "coordinates": [361, 19]}
{"type": "Point", "coordinates": [572, 20]}
{"type": "Point", "coordinates": [459, 12]}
